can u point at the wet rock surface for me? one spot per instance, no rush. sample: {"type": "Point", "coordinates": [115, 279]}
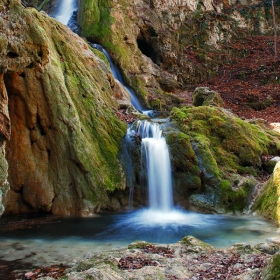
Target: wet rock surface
{"type": "Point", "coordinates": [188, 259]}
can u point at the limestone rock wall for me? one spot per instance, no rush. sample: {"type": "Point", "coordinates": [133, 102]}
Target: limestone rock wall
{"type": "Point", "coordinates": [56, 118]}
{"type": "Point", "coordinates": [164, 46]}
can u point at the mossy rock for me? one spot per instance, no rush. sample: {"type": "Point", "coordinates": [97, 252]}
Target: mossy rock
{"type": "Point", "coordinates": [241, 248]}
{"type": "Point", "coordinates": [193, 244]}
{"type": "Point", "coordinates": [138, 245]}
{"type": "Point", "coordinates": [270, 165]}
{"type": "Point", "coordinates": [204, 96]}
{"type": "Point", "coordinates": [222, 146]}
{"type": "Point", "coordinates": [267, 248]}
{"type": "Point", "coordinates": [235, 198]}
{"type": "Point", "coordinates": [232, 144]}
{"type": "Point", "coordinates": [268, 204]}
{"type": "Point", "coordinates": [272, 270]}
{"type": "Point", "coordinates": [70, 135]}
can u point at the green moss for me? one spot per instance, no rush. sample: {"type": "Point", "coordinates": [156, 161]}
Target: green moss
{"type": "Point", "coordinates": [267, 204]}
{"type": "Point", "coordinates": [183, 156]}
{"type": "Point", "coordinates": [232, 143]}
{"type": "Point", "coordinates": [138, 84]}
{"type": "Point", "coordinates": [88, 16]}
{"type": "Point", "coordinates": [186, 173]}
{"type": "Point", "coordinates": [101, 55]}
{"type": "Point", "coordinates": [196, 244]}
{"type": "Point", "coordinates": [272, 270]}
{"type": "Point", "coordinates": [234, 199]}
{"type": "Point", "coordinates": [138, 245]}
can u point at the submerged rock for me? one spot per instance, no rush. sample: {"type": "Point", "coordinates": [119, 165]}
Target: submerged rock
{"type": "Point", "coordinates": [58, 118]}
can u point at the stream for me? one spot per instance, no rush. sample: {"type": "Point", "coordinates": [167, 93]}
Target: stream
{"type": "Point", "coordinates": [41, 241]}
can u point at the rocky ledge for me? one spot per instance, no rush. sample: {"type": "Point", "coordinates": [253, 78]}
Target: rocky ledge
{"type": "Point", "coordinates": [189, 259]}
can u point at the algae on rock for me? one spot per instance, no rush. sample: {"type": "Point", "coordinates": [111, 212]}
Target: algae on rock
{"type": "Point", "coordinates": [65, 136]}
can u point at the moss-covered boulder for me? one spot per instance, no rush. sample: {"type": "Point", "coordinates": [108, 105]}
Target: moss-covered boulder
{"type": "Point", "coordinates": [222, 152]}
{"type": "Point", "coordinates": [192, 244]}
{"type": "Point", "coordinates": [268, 204]}
{"type": "Point", "coordinates": [62, 133]}
{"type": "Point", "coordinates": [185, 169]}
{"type": "Point", "coordinates": [272, 270]}
{"type": "Point", "coordinates": [204, 96]}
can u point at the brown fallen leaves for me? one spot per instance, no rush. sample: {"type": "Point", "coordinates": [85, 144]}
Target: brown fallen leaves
{"type": "Point", "coordinates": [224, 266]}
{"type": "Point", "coordinates": [163, 251]}
{"type": "Point", "coordinates": [138, 262]}
{"type": "Point", "coordinates": [125, 116]}
{"type": "Point", "coordinates": [54, 271]}
{"type": "Point", "coordinates": [251, 77]}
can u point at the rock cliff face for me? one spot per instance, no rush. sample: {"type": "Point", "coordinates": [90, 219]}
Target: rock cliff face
{"type": "Point", "coordinates": [165, 46]}
{"type": "Point", "coordinates": [59, 133]}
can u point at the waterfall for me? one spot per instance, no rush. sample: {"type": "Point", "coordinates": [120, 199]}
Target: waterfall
{"type": "Point", "coordinates": [65, 10]}
{"type": "Point", "coordinates": [156, 164]}
{"type": "Point", "coordinates": [118, 76]}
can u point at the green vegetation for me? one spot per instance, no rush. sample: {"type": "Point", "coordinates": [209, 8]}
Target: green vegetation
{"type": "Point", "coordinates": [268, 202]}
{"type": "Point", "coordinates": [272, 270]}
{"type": "Point", "coordinates": [228, 142]}
{"type": "Point", "coordinates": [138, 245]}
{"type": "Point", "coordinates": [215, 146]}
{"type": "Point", "coordinates": [196, 244]}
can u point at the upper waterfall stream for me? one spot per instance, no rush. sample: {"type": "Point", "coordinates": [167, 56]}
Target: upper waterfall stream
{"type": "Point", "coordinates": [118, 76]}
{"type": "Point", "coordinates": [65, 10]}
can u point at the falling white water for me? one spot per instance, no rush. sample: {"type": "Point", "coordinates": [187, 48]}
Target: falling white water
{"type": "Point", "coordinates": [65, 10]}
{"type": "Point", "coordinates": [118, 76]}
{"type": "Point", "coordinates": [158, 167]}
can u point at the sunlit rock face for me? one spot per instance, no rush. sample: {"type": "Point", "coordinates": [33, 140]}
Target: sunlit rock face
{"type": "Point", "coordinates": [59, 133]}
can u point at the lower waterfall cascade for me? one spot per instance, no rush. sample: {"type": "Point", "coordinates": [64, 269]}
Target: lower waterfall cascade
{"type": "Point", "coordinates": [156, 164]}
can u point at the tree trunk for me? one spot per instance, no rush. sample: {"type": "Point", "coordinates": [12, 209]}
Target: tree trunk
{"type": "Point", "coordinates": [275, 32]}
